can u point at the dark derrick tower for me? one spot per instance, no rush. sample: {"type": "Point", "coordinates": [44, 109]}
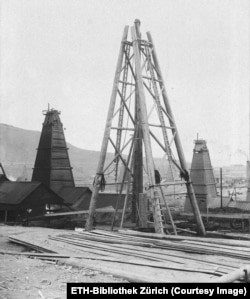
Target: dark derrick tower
{"type": "Point", "coordinates": [52, 165]}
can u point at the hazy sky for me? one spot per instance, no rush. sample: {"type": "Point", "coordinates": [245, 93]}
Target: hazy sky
{"type": "Point", "coordinates": [64, 52]}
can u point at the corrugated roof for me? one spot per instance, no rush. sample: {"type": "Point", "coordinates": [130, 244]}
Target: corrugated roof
{"type": "Point", "coordinates": [16, 192]}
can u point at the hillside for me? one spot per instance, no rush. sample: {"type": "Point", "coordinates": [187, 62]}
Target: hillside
{"type": "Point", "coordinates": [18, 153]}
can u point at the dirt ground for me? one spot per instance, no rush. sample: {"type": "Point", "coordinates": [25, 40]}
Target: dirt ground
{"type": "Point", "coordinates": [26, 278]}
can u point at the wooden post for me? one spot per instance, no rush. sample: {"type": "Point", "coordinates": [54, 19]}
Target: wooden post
{"type": "Point", "coordinates": [146, 136]}
{"type": "Point", "coordinates": [138, 161]}
{"type": "Point", "coordinates": [168, 211]}
{"type": "Point", "coordinates": [92, 206]}
{"type": "Point", "coordinates": [122, 184]}
{"type": "Point", "coordinates": [125, 202]}
{"type": "Point", "coordinates": [128, 185]}
{"type": "Point", "coordinates": [221, 201]}
{"type": "Point", "coordinates": [190, 190]}
{"type": "Point", "coordinates": [143, 210]}
{"type": "Point", "coordinates": [138, 156]}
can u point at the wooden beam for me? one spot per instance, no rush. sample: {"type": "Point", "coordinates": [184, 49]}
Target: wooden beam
{"type": "Point", "coordinates": [194, 204]}
{"type": "Point", "coordinates": [240, 274]}
{"type": "Point", "coordinates": [146, 137]}
{"type": "Point", "coordinates": [100, 210]}
{"type": "Point", "coordinates": [92, 206]}
{"type": "Point", "coordinates": [187, 238]}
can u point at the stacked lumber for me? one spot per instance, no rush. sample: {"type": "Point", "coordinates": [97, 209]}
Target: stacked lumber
{"type": "Point", "coordinates": [143, 257]}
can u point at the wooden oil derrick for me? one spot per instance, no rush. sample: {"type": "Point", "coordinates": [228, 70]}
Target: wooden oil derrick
{"type": "Point", "coordinates": [202, 177]}
{"type": "Point", "coordinates": [140, 123]}
{"type": "Point", "coordinates": [52, 165]}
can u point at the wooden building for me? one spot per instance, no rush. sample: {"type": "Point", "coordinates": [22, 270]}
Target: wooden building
{"type": "Point", "coordinates": [24, 200]}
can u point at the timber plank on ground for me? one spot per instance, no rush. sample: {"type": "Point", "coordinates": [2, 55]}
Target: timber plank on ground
{"type": "Point", "coordinates": [180, 246]}
{"type": "Point", "coordinates": [137, 257]}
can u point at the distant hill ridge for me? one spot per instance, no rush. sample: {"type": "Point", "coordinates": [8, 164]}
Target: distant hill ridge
{"type": "Point", "coordinates": [18, 149]}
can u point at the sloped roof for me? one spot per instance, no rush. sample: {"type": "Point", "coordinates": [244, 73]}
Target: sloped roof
{"type": "Point", "coordinates": [13, 193]}
{"type": "Point", "coordinates": [103, 200]}
{"type": "Point", "coordinates": [3, 176]}
{"type": "Point", "coordinates": [79, 198]}
{"type": "Point", "coordinates": [241, 205]}
{"type": "Point", "coordinates": [16, 192]}
{"type": "Point", "coordinates": [216, 202]}
{"type": "Point", "coordinates": [109, 199]}
{"type": "Point", "coordinates": [227, 202]}
{"type": "Point", "coordinates": [71, 195]}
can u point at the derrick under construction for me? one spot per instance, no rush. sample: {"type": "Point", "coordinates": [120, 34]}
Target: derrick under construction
{"type": "Point", "coordinates": [140, 123]}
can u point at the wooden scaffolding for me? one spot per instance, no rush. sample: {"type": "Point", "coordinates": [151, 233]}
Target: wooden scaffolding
{"type": "Point", "coordinates": [140, 126]}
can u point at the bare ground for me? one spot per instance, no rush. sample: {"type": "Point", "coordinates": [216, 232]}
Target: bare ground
{"type": "Point", "coordinates": [26, 278]}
